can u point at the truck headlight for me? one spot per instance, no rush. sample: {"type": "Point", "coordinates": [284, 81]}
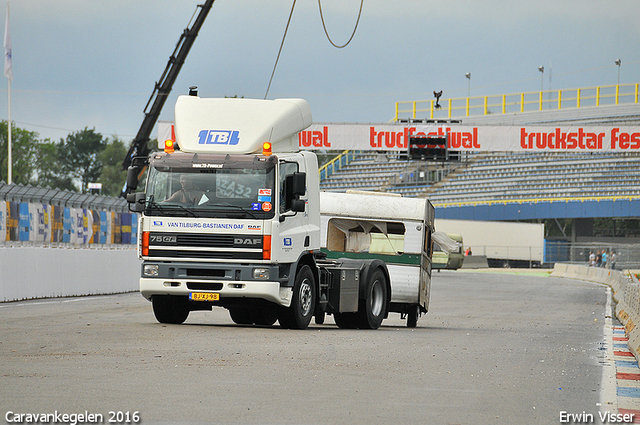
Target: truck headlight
{"type": "Point", "coordinates": [261, 273]}
{"type": "Point", "coordinates": [150, 270]}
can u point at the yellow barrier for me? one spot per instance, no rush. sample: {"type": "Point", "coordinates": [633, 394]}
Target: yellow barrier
{"type": "Point", "coordinates": [519, 102]}
{"type": "Point", "coordinates": [535, 201]}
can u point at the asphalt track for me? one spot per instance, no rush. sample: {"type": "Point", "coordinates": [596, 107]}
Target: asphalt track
{"type": "Point", "coordinates": [495, 348]}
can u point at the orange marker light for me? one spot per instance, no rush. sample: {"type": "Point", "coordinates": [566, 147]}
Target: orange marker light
{"type": "Point", "coordinates": [168, 146]}
{"type": "Point", "coordinates": [266, 247]}
{"type": "Point", "coordinates": [145, 244]}
{"type": "Point", "coordinates": [266, 148]}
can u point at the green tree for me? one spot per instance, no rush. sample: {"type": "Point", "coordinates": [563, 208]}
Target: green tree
{"type": "Point", "coordinates": [24, 146]}
{"type": "Point", "coordinates": [113, 176]}
{"type": "Point", "coordinates": [80, 156]}
{"type": "Point", "coordinates": [48, 168]}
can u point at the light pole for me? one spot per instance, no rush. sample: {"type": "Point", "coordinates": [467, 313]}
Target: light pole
{"type": "Point", "coordinates": [618, 62]}
{"type": "Point", "coordinates": [468, 75]}
{"type": "Point", "coordinates": [541, 69]}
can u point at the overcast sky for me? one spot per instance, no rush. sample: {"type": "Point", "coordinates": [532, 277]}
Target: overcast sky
{"type": "Point", "coordinates": [93, 63]}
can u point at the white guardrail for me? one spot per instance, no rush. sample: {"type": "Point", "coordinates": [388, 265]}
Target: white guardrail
{"type": "Point", "coordinates": [626, 293]}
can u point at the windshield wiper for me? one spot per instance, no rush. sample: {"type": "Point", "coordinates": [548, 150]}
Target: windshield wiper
{"type": "Point", "coordinates": [225, 205]}
{"type": "Point", "coordinates": [165, 208]}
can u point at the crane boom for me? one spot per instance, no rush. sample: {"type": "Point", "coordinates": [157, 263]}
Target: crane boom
{"type": "Point", "coordinates": [139, 146]}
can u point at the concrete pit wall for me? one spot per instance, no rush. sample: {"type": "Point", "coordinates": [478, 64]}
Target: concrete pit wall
{"type": "Point", "coordinates": [39, 272]}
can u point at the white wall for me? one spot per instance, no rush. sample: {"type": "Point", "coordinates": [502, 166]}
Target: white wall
{"type": "Point", "coordinates": [35, 272]}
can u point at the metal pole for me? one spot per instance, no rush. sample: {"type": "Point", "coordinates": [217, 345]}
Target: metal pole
{"type": "Point", "coordinates": [9, 158]}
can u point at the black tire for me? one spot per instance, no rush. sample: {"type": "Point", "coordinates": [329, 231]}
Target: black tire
{"type": "Point", "coordinates": [372, 308]}
{"type": "Point", "coordinates": [170, 309]}
{"type": "Point", "coordinates": [303, 303]}
{"type": "Point", "coordinates": [346, 320]}
{"type": "Point", "coordinates": [412, 316]}
{"type": "Point", "coordinates": [263, 316]}
{"type": "Point", "coordinates": [240, 315]}
{"type": "Point", "coordinates": [319, 318]}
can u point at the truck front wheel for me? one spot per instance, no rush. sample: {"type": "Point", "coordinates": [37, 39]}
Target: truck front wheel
{"type": "Point", "coordinates": [299, 314]}
{"type": "Point", "coordinates": [170, 309]}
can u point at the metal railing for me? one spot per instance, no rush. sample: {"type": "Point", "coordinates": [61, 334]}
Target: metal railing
{"type": "Point", "coordinates": [337, 163]}
{"type": "Point", "coordinates": [519, 102]}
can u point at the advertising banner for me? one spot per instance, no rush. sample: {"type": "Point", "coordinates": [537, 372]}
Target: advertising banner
{"type": "Point", "coordinates": [57, 224]}
{"type": "Point", "coordinates": [95, 227]}
{"type": "Point", "coordinates": [395, 137]}
{"type": "Point", "coordinates": [23, 222]}
{"type": "Point", "coordinates": [134, 228]}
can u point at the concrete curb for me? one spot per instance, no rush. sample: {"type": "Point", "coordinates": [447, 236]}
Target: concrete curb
{"type": "Point", "coordinates": [626, 292]}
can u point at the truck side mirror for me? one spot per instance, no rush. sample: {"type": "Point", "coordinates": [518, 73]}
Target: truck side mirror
{"type": "Point", "coordinates": [136, 201]}
{"type": "Point", "coordinates": [295, 186]}
{"type": "Point", "coordinates": [297, 205]}
{"type": "Point", "coordinates": [299, 183]}
{"type": "Point", "coordinates": [132, 178]}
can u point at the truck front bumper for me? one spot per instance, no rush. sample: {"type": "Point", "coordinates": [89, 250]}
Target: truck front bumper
{"type": "Point", "coordinates": [266, 290]}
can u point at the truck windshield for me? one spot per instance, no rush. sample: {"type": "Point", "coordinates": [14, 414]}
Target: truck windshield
{"type": "Point", "coordinates": [213, 186]}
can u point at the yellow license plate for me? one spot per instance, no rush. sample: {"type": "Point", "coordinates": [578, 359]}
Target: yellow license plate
{"type": "Point", "coordinates": [204, 296]}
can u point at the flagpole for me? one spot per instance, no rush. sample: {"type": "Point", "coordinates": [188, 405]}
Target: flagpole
{"type": "Point", "coordinates": [8, 72]}
{"type": "Point", "coordinates": [9, 159]}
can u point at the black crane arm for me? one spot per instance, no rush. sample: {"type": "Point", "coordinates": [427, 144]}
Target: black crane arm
{"type": "Point", "coordinates": [139, 146]}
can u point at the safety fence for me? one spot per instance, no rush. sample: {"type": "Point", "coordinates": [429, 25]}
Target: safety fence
{"type": "Point", "coordinates": [619, 255]}
{"type": "Point", "coordinates": [34, 216]}
{"type": "Point", "coordinates": [518, 102]}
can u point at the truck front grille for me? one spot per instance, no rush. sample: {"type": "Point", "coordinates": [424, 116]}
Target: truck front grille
{"type": "Point", "coordinates": [205, 246]}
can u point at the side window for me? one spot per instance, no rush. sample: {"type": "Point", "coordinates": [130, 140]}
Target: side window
{"type": "Point", "coordinates": [373, 237]}
{"type": "Point", "coordinates": [286, 168]}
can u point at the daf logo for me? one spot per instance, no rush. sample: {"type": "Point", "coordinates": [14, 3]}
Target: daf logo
{"type": "Point", "coordinates": [247, 241]}
{"type": "Point", "coordinates": [218, 137]}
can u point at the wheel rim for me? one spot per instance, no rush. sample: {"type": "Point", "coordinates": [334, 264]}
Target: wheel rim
{"type": "Point", "coordinates": [377, 298]}
{"type": "Point", "coordinates": [306, 297]}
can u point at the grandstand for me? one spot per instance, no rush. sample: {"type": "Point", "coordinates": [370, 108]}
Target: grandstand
{"type": "Point", "coordinates": [490, 176]}
{"type": "Point", "coordinates": [509, 176]}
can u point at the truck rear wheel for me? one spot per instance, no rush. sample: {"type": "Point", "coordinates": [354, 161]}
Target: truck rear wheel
{"type": "Point", "coordinates": [299, 314]}
{"type": "Point", "coordinates": [373, 307]}
{"type": "Point", "coordinates": [170, 309]}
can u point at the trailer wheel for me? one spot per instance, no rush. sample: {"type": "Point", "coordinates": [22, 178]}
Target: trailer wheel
{"type": "Point", "coordinates": [412, 316]}
{"type": "Point", "coordinates": [170, 309]}
{"type": "Point", "coordinates": [372, 308]}
{"type": "Point", "coordinates": [299, 314]}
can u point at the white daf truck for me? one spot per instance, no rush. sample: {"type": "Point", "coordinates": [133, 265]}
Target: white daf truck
{"type": "Point", "coordinates": [230, 217]}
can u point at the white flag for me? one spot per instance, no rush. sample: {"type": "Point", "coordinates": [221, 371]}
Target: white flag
{"type": "Point", "coordinates": [8, 72]}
